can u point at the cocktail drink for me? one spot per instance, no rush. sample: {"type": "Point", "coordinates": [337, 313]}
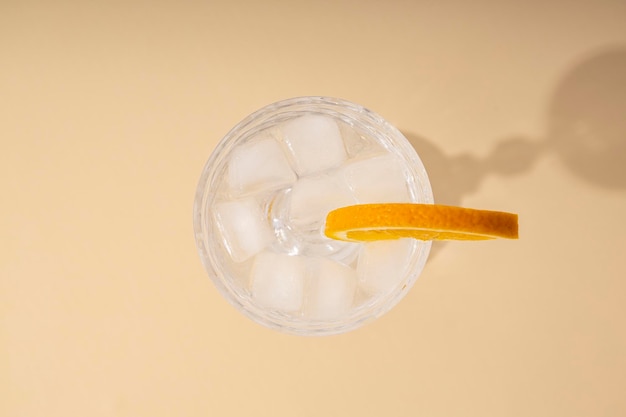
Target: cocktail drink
{"type": "Point", "coordinates": [262, 202]}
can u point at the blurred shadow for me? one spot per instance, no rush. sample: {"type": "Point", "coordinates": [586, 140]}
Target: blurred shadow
{"type": "Point", "coordinates": [586, 128]}
{"type": "Point", "coordinates": [454, 176]}
{"type": "Point", "coordinates": [587, 119]}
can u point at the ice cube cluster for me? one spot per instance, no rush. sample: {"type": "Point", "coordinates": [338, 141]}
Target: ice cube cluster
{"type": "Point", "coordinates": [320, 168]}
{"type": "Point", "coordinates": [316, 288]}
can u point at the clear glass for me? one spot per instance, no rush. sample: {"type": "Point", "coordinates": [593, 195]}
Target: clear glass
{"type": "Point", "coordinates": [261, 204]}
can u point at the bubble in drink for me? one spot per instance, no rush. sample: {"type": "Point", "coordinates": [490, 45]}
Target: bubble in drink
{"type": "Point", "coordinates": [278, 281]}
{"type": "Point", "coordinates": [258, 166]}
{"type": "Point", "coordinates": [243, 228]}
{"type": "Point", "coordinates": [314, 142]}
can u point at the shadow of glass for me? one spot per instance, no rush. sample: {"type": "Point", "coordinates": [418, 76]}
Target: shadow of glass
{"type": "Point", "coordinates": [587, 119]}
{"type": "Point", "coordinates": [453, 177]}
{"type": "Point", "coordinates": [586, 128]}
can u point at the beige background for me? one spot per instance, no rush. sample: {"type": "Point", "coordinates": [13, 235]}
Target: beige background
{"type": "Point", "coordinates": [109, 109]}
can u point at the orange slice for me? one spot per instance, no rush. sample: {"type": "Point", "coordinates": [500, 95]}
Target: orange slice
{"type": "Point", "coordinates": [368, 222]}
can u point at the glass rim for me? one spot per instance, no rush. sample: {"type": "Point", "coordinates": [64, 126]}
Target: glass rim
{"type": "Point", "coordinates": [267, 115]}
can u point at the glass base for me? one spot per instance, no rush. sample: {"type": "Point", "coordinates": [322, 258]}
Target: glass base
{"type": "Point", "coordinates": [304, 237]}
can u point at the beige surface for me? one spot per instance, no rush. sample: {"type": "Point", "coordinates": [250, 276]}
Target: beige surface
{"type": "Point", "coordinates": [108, 111]}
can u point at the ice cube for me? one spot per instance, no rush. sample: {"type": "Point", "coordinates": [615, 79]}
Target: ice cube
{"type": "Point", "coordinates": [380, 179]}
{"type": "Point", "coordinates": [331, 290]}
{"type": "Point", "coordinates": [357, 142]}
{"type": "Point", "coordinates": [383, 265]}
{"type": "Point", "coordinates": [313, 197]}
{"type": "Point", "coordinates": [244, 228]}
{"type": "Point", "coordinates": [278, 281]}
{"type": "Point", "coordinates": [259, 165]}
{"type": "Point", "coordinates": [314, 142]}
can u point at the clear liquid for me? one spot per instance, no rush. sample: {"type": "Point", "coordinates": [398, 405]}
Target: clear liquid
{"type": "Point", "coordinates": [294, 213]}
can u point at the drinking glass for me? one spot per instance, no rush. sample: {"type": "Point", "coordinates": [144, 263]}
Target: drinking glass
{"type": "Point", "coordinates": [261, 204]}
